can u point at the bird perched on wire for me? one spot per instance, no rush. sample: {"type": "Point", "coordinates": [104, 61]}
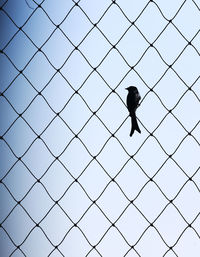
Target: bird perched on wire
{"type": "Point", "coordinates": [132, 101]}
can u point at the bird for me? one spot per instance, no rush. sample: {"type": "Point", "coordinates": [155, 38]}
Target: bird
{"type": "Point", "coordinates": [132, 102]}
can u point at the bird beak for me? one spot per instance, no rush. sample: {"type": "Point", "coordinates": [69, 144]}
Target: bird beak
{"type": "Point", "coordinates": [126, 88]}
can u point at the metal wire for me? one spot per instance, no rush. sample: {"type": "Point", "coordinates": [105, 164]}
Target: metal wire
{"type": "Point", "coordinates": [152, 227]}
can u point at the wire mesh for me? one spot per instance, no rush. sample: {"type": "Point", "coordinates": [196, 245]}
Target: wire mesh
{"type": "Point", "coordinates": [73, 183]}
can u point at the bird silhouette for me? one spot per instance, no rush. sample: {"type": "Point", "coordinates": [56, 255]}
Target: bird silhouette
{"type": "Point", "coordinates": [132, 102]}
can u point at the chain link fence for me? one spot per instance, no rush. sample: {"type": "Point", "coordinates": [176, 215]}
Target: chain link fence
{"type": "Point", "coordinates": [73, 183]}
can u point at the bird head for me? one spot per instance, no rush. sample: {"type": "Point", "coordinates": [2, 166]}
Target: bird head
{"type": "Point", "coordinates": [132, 89]}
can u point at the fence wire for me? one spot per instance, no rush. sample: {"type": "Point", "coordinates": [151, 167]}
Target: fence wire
{"type": "Point", "coordinates": [84, 188]}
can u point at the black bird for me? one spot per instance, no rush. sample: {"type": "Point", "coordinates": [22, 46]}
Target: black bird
{"type": "Point", "coordinates": [132, 101]}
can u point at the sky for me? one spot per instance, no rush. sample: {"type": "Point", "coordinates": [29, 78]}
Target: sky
{"type": "Point", "coordinates": [73, 182]}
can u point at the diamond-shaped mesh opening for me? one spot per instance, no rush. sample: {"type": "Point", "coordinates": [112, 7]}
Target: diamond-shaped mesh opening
{"type": "Point", "coordinates": [72, 181]}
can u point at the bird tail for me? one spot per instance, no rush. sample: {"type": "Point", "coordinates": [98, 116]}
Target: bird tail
{"type": "Point", "coordinates": [134, 125]}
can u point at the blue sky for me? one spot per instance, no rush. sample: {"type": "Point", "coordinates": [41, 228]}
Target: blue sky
{"type": "Point", "coordinates": [66, 154]}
